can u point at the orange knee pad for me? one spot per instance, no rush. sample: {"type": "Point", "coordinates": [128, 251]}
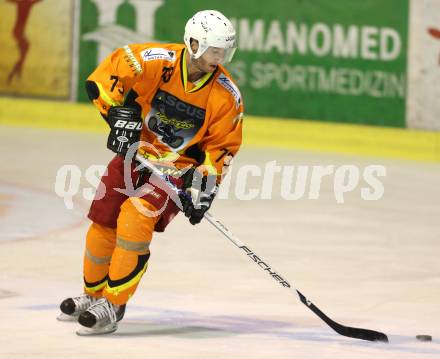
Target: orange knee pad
{"type": "Point", "coordinates": [129, 261]}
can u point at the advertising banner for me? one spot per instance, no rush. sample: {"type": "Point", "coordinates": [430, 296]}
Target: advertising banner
{"type": "Point", "coordinates": [35, 43]}
{"type": "Point", "coordinates": [423, 104]}
{"type": "Point", "coordinates": [369, 62]}
{"type": "Point", "coordinates": [338, 60]}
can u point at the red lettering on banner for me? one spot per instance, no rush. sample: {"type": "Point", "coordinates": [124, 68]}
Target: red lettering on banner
{"type": "Point", "coordinates": [23, 11]}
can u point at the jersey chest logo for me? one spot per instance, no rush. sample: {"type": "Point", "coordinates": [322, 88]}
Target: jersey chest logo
{"type": "Point", "coordinates": [174, 122]}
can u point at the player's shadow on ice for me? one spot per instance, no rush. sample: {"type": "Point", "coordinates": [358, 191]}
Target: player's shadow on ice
{"type": "Point", "coordinates": [185, 324]}
{"type": "Point", "coordinates": [147, 321]}
{"type": "Point", "coordinates": [146, 329]}
{"type": "Point", "coordinates": [156, 322]}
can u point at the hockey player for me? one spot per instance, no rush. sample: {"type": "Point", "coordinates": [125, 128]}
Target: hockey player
{"type": "Point", "coordinates": [181, 102]}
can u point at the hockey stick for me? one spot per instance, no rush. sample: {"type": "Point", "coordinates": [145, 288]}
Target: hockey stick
{"type": "Point", "coordinates": [358, 333]}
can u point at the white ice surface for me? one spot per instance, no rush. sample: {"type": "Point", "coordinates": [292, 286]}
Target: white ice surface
{"type": "Point", "coordinates": [368, 264]}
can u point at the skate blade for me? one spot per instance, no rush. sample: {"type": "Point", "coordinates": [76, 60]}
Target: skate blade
{"type": "Point", "coordinates": [84, 331]}
{"type": "Point", "coordinates": [67, 318]}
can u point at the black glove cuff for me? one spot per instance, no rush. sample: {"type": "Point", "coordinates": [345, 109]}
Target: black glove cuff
{"type": "Point", "coordinates": [125, 128]}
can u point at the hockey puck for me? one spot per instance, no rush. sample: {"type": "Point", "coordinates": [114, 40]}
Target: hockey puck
{"type": "Point", "coordinates": [424, 338]}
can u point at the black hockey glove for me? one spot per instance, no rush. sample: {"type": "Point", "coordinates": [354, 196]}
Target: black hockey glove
{"type": "Point", "coordinates": [206, 189]}
{"type": "Point", "coordinates": [125, 128]}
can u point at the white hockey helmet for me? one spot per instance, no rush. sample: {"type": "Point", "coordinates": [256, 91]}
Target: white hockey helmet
{"type": "Point", "coordinates": [215, 34]}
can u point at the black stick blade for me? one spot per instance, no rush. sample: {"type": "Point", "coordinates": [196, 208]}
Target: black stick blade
{"type": "Point", "coordinates": [358, 333]}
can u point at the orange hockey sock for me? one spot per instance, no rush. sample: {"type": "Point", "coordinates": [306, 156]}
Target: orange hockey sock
{"type": "Point", "coordinates": [100, 243]}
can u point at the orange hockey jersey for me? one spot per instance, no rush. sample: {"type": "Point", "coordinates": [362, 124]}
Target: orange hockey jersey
{"type": "Point", "coordinates": [187, 124]}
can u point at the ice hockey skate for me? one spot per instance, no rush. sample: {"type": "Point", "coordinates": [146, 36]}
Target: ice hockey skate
{"type": "Point", "coordinates": [71, 308]}
{"type": "Point", "coordinates": [100, 318]}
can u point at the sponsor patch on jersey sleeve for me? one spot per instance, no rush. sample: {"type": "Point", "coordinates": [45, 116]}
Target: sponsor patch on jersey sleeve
{"type": "Point", "coordinates": [131, 60]}
{"type": "Point", "coordinates": [157, 53]}
{"type": "Point", "coordinates": [231, 87]}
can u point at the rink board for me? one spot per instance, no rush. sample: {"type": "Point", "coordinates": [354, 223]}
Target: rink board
{"type": "Point", "coordinates": [259, 131]}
